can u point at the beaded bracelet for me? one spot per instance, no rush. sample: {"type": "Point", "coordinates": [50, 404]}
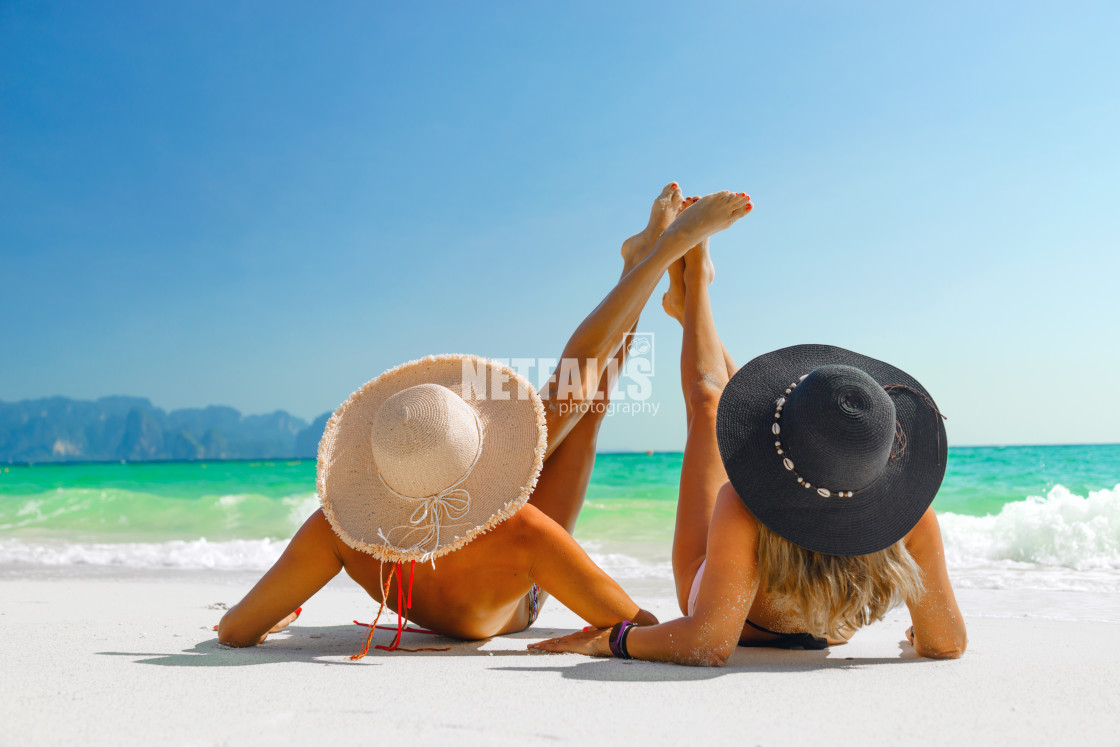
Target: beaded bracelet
{"type": "Point", "coordinates": [622, 645]}
{"type": "Point", "coordinates": [617, 639]}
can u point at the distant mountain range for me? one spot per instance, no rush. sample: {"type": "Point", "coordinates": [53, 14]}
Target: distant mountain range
{"type": "Point", "coordinates": [59, 429]}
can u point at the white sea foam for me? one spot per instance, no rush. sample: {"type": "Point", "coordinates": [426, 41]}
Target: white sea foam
{"type": "Point", "coordinates": [300, 507]}
{"type": "Point", "coordinates": [625, 567]}
{"type": "Point", "coordinates": [201, 554]}
{"type": "Point", "coordinates": [1061, 530]}
{"type": "Point", "coordinates": [1060, 542]}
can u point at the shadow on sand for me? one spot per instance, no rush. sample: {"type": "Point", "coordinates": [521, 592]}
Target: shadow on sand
{"type": "Point", "coordinates": [324, 645]}
{"type": "Point", "coordinates": [743, 661]}
{"type": "Point", "coordinates": [333, 645]}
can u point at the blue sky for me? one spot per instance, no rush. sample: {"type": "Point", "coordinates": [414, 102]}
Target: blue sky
{"type": "Point", "coordinates": [265, 204]}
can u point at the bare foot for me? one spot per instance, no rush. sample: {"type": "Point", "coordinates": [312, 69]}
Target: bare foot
{"type": "Point", "coordinates": [698, 267]}
{"type": "Point", "coordinates": [664, 211]}
{"type": "Point", "coordinates": [708, 215]}
{"type": "Point", "coordinates": [673, 300]}
{"type": "Point", "coordinates": [693, 268]}
{"type": "Point", "coordinates": [286, 621]}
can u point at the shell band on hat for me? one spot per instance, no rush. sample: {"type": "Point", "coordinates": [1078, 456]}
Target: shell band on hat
{"type": "Point", "coordinates": [834, 451]}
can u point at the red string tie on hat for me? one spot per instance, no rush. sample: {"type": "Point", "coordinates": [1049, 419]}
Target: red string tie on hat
{"type": "Point", "coordinates": [404, 604]}
{"type": "Point", "coordinates": [373, 625]}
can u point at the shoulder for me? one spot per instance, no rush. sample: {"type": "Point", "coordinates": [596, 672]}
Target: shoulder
{"type": "Point", "coordinates": [731, 516]}
{"type": "Point", "coordinates": [925, 531]}
{"type": "Point", "coordinates": [528, 518]}
{"type": "Point", "coordinates": [515, 542]}
{"type": "Point", "coordinates": [527, 527]}
{"type": "Point", "coordinates": [730, 506]}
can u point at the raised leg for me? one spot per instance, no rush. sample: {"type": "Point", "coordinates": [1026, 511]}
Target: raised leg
{"type": "Point", "coordinates": [563, 483]}
{"type": "Point", "coordinates": [673, 301]}
{"type": "Point", "coordinates": [566, 474]}
{"type": "Point", "coordinates": [704, 373]}
{"type": "Point", "coordinates": [598, 338]}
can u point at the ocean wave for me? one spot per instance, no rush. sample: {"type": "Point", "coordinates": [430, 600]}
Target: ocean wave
{"type": "Point", "coordinates": [623, 567]}
{"type": "Point", "coordinates": [1061, 533]}
{"type": "Point", "coordinates": [121, 515]}
{"type": "Point", "coordinates": [240, 555]}
{"type": "Point", "coordinates": [200, 554]}
{"type": "Point", "coordinates": [1060, 530]}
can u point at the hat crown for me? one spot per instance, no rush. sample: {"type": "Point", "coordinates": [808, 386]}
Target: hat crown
{"type": "Point", "coordinates": [425, 439]}
{"type": "Point", "coordinates": [838, 425]}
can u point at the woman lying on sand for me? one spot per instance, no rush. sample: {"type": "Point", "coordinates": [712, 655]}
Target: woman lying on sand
{"type": "Point", "coordinates": [804, 508]}
{"type": "Point", "coordinates": [458, 458]}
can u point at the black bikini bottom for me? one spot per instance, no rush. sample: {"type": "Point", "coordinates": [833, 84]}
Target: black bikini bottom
{"type": "Point", "coordinates": [805, 641]}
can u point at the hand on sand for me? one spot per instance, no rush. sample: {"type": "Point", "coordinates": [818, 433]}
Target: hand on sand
{"type": "Point", "coordinates": [286, 621]}
{"type": "Point", "coordinates": [592, 642]}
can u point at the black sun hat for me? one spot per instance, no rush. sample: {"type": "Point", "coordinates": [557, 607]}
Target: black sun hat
{"type": "Point", "coordinates": [832, 450]}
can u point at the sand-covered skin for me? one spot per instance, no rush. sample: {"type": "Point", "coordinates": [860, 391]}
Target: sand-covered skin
{"type": "Point", "coordinates": [133, 661]}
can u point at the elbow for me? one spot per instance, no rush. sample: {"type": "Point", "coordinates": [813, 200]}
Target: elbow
{"type": "Point", "coordinates": [715, 661]}
{"type": "Point", "coordinates": [713, 656]}
{"type": "Point", "coordinates": [231, 634]}
{"type": "Point", "coordinates": [947, 650]}
{"type": "Point", "coordinates": [233, 640]}
{"type": "Point", "coordinates": [705, 646]}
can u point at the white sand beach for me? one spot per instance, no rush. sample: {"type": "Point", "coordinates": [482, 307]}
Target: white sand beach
{"type": "Point", "coordinates": [130, 658]}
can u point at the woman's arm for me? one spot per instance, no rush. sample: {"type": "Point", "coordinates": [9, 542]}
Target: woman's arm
{"type": "Point", "coordinates": [938, 631]}
{"type": "Point", "coordinates": [307, 564]}
{"type": "Point", "coordinates": [707, 637]}
{"type": "Point", "coordinates": [559, 566]}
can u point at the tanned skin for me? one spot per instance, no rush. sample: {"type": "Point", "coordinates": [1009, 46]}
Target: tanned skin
{"type": "Point", "coordinates": [714, 526]}
{"type": "Point", "coordinates": [481, 589]}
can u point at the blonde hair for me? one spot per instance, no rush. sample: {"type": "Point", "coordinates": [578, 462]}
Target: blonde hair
{"type": "Point", "coordinates": [833, 593]}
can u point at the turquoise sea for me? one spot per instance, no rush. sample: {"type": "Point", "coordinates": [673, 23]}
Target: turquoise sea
{"type": "Point", "coordinates": [1053, 509]}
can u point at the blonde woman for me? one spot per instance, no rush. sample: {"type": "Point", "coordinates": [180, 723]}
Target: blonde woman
{"type": "Point", "coordinates": [804, 508]}
{"type": "Point", "coordinates": [451, 480]}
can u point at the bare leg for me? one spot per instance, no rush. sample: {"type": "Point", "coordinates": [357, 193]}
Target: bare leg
{"type": "Point", "coordinates": [673, 300]}
{"type": "Point", "coordinates": [566, 474]}
{"type": "Point", "coordinates": [598, 338]}
{"type": "Point", "coordinates": [728, 361]}
{"type": "Point", "coordinates": [563, 483]}
{"type": "Point", "coordinates": [704, 373]}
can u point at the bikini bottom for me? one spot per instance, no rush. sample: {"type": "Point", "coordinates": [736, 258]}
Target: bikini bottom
{"type": "Point", "coordinates": [805, 641]}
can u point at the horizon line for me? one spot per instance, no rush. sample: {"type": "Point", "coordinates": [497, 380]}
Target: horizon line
{"type": "Point", "coordinates": [616, 452]}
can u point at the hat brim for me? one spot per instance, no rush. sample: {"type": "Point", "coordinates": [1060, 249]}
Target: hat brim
{"type": "Point", "coordinates": [366, 515]}
{"type": "Point", "coordinates": [875, 517]}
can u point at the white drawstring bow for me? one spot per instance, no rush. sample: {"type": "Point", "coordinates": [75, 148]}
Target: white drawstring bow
{"type": "Point", "coordinates": [435, 509]}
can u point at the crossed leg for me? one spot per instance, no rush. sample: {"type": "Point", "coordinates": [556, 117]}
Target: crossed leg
{"type": "Point", "coordinates": [706, 368]}
{"type": "Point", "coordinates": [566, 473]}
{"type": "Point", "coordinates": [599, 336]}
{"type": "Point", "coordinates": [315, 555]}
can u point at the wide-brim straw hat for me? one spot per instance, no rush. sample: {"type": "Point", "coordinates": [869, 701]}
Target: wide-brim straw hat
{"type": "Point", "coordinates": [834, 451]}
{"type": "Point", "coordinates": [429, 455]}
